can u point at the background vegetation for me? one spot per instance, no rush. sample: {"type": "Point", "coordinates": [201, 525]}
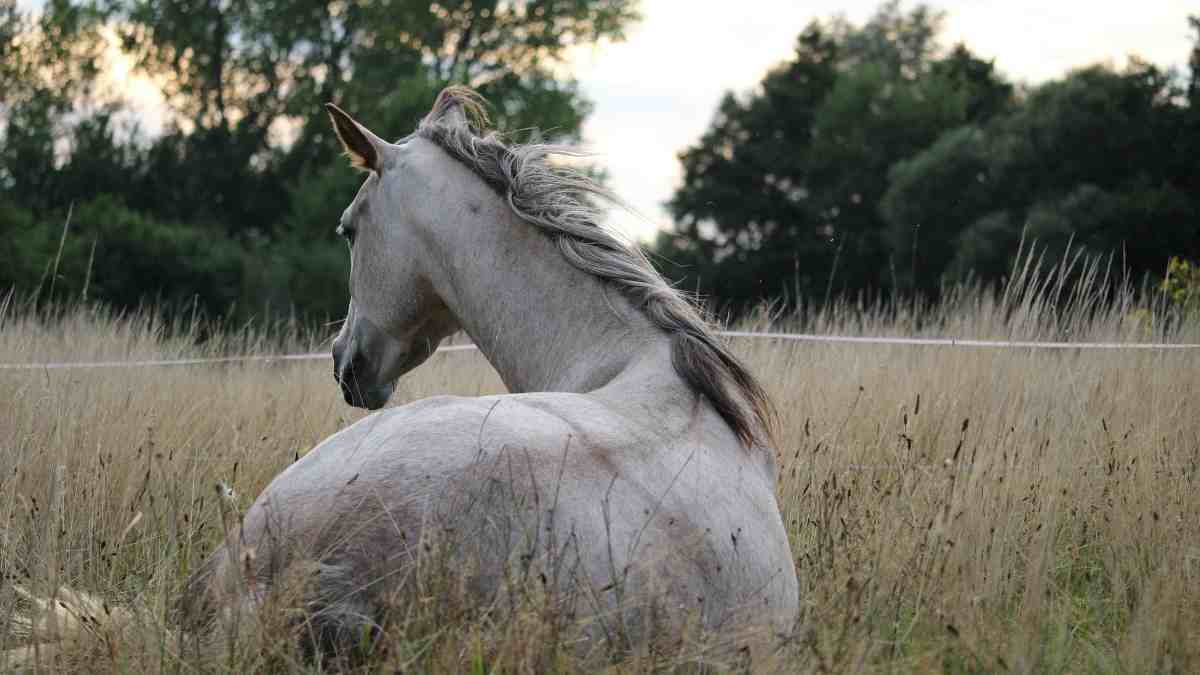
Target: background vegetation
{"type": "Point", "coordinates": [231, 209]}
{"type": "Point", "coordinates": [878, 160]}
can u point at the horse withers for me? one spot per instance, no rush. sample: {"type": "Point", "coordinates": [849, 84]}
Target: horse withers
{"type": "Point", "coordinates": [630, 469]}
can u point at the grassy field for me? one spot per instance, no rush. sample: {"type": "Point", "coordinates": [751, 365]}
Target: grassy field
{"type": "Point", "coordinates": [951, 509]}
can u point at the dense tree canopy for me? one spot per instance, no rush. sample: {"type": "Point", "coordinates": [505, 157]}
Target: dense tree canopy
{"type": "Point", "coordinates": [235, 201]}
{"type": "Point", "coordinates": [877, 161]}
{"type": "Point", "coordinates": [1093, 158]}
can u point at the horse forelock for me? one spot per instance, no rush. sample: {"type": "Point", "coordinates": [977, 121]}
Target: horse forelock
{"type": "Point", "coordinates": [566, 204]}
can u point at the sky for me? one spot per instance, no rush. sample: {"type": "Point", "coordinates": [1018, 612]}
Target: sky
{"type": "Point", "coordinates": [654, 93]}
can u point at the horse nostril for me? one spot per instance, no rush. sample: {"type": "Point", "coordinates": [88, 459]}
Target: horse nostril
{"type": "Point", "coordinates": [346, 374]}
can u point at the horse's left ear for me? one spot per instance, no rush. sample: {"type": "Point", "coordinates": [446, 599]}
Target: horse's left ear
{"type": "Point", "coordinates": [459, 106]}
{"type": "Point", "coordinates": [364, 148]}
{"type": "Point", "coordinates": [454, 115]}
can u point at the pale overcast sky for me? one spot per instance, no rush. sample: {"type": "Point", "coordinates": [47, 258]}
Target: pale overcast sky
{"type": "Point", "coordinates": [655, 93]}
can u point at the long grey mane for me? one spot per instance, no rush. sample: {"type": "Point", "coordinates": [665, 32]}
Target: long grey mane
{"type": "Point", "coordinates": [565, 204]}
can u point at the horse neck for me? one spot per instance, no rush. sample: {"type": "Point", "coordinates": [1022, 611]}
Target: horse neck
{"type": "Point", "coordinates": [543, 324]}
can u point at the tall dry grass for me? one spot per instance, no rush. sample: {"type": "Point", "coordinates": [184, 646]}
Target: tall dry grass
{"type": "Point", "coordinates": [951, 509]}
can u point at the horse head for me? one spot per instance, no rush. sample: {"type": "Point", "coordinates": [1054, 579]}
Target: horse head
{"type": "Point", "coordinates": [396, 319]}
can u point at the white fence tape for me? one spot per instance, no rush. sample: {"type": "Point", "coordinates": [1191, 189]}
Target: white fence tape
{"type": "Point", "coordinates": [957, 342]}
{"type": "Point", "coordinates": [265, 358]}
{"type": "Point", "coordinates": [797, 337]}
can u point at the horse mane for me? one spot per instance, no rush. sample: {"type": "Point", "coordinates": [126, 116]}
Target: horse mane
{"type": "Point", "coordinates": [565, 204]}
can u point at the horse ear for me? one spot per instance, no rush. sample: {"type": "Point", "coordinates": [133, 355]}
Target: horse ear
{"type": "Point", "coordinates": [459, 106]}
{"type": "Point", "coordinates": [362, 147]}
{"type": "Point", "coordinates": [454, 115]}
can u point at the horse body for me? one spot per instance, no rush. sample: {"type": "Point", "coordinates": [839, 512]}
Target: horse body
{"type": "Point", "coordinates": [605, 470]}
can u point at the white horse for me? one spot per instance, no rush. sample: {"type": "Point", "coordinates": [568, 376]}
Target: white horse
{"type": "Point", "coordinates": [631, 460]}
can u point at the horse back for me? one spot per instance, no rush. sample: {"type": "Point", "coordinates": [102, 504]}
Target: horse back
{"type": "Point", "coordinates": [557, 486]}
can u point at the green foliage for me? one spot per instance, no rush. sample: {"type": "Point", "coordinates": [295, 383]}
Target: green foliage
{"type": "Point", "coordinates": [782, 194]}
{"type": "Point", "coordinates": [875, 161]}
{"type": "Point", "coordinates": [10, 28]}
{"type": "Point", "coordinates": [135, 260]}
{"type": "Point", "coordinates": [51, 57]}
{"type": "Point", "coordinates": [921, 221]}
{"type": "Point", "coordinates": [1181, 285]}
{"type": "Point", "coordinates": [232, 207]}
{"type": "Point", "coordinates": [1114, 186]}
{"type": "Point", "coordinates": [244, 66]}
{"type": "Point", "coordinates": [124, 258]}
{"type": "Point", "coordinates": [745, 215]}
{"type": "Point", "coordinates": [20, 268]}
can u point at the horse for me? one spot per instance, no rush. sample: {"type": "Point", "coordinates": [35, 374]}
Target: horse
{"type": "Point", "coordinates": [631, 460]}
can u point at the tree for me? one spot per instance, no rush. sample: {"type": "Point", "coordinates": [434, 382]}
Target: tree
{"type": "Point", "coordinates": [245, 166]}
{"type": "Point", "coordinates": [931, 198]}
{"type": "Point", "coordinates": [51, 56]}
{"type": "Point", "coordinates": [1090, 159]}
{"type": "Point", "coordinates": [240, 76]}
{"type": "Point", "coordinates": [47, 70]}
{"type": "Point", "coordinates": [1189, 147]}
{"type": "Point", "coordinates": [11, 27]}
{"type": "Point", "coordinates": [1194, 63]}
{"type": "Point", "coordinates": [902, 44]}
{"type": "Point", "coordinates": [744, 202]}
{"type": "Point", "coordinates": [235, 70]}
{"type": "Point", "coordinates": [875, 160]}
{"type": "Point", "coordinates": [781, 195]}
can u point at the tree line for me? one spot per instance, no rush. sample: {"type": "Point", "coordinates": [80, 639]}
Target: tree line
{"type": "Point", "coordinates": [875, 160]}
{"type": "Point", "coordinates": [879, 162]}
{"type": "Point", "coordinates": [231, 208]}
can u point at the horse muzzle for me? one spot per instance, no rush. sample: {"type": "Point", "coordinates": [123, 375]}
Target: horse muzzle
{"type": "Point", "coordinates": [357, 383]}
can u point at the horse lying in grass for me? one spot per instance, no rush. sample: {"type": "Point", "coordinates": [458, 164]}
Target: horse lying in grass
{"type": "Point", "coordinates": [629, 472]}
{"type": "Point", "coordinates": [631, 460]}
